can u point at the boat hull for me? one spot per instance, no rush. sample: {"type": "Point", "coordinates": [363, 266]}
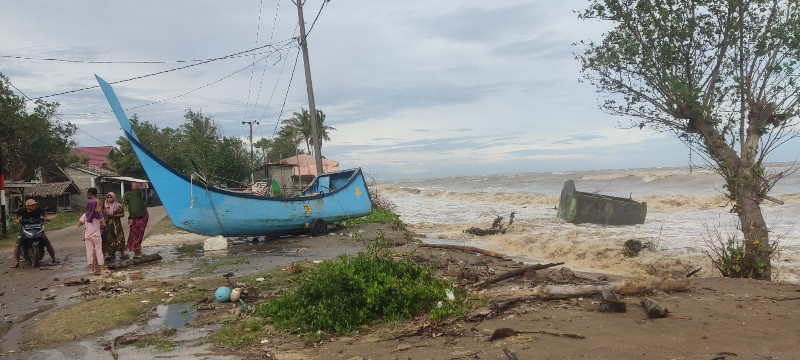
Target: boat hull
{"type": "Point", "coordinates": [581, 207]}
{"type": "Point", "coordinates": [196, 207]}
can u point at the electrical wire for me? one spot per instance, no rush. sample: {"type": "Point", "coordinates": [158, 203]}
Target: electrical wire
{"type": "Point", "coordinates": [160, 72]}
{"type": "Point", "coordinates": [280, 114]}
{"type": "Point", "coordinates": [250, 84]}
{"type": "Point", "coordinates": [201, 87]}
{"type": "Point", "coordinates": [324, 2]}
{"type": "Point", "coordinates": [19, 57]}
{"type": "Point", "coordinates": [181, 94]}
{"type": "Point", "coordinates": [58, 118]}
{"type": "Point", "coordinates": [264, 70]}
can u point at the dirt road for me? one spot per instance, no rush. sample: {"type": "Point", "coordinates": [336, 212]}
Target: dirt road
{"type": "Point", "coordinates": [23, 288]}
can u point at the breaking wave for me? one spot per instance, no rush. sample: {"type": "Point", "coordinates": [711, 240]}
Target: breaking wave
{"type": "Point", "coordinates": [659, 202]}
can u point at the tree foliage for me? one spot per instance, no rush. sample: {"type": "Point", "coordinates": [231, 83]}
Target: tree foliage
{"type": "Point", "coordinates": [199, 142]}
{"type": "Point", "coordinates": [223, 160]}
{"type": "Point", "coordinates": [299, 128]}
{"type": "Point", "coordinates": [721, 75]}
{"type": "Point", "coordinates": [34, 139]}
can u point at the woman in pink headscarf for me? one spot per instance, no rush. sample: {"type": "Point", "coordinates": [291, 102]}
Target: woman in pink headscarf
{"type": "Point", "coordinates": [92, 221]}
{"type": "Point", "coordinates": [113, 236]}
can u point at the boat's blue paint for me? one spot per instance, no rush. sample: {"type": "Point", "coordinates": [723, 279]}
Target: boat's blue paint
{"type": "Point", "coordinates": [209, 210]}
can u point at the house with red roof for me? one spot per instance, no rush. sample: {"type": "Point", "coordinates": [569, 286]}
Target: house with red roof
{"type": "Point", "coordinates": [99, 156]}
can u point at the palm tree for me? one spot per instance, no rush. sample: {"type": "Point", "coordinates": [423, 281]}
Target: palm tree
{"type": "Point", "coordinates": [300, 124]}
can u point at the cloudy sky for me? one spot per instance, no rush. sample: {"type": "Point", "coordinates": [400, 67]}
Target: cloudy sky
{"type": "Point", "coordinates": [415, 88]}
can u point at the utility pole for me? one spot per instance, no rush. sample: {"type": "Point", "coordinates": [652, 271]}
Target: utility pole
{"type": "Point", "coordinates": [3, 192]}
{"type": "Point", "coordinates": [309, 88]}
{"type": "Point", "coordinates": [252, 160]}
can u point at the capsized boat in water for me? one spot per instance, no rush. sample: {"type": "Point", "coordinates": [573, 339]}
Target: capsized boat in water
{"type": "Point", "coordinates": [581, 207]}
{"type": "Point", "coordinates": [194, 206]}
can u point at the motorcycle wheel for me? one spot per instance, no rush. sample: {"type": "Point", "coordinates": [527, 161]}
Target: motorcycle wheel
{"type": "Point", "coordinates": [26, 253]}
{"type": "Point", "coordinates": [36, 255]}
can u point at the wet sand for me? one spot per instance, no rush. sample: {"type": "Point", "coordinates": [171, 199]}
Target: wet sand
{"type": "Point", "coordinates": [752, 319]}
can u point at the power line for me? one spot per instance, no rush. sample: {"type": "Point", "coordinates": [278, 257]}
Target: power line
{"type": "Point", "coordinates": [140, 62]}
{"type": "Point", "coordinates": [58, 118]}
{"type": "Point", "coordinates": [264, 70]}
{"type": "Point", "coordinates": [324, 2]}
{"type": "Point", "coordinates": [275, 88]}
{"type": "Point", "coordinates": [280, 114]}
{"type": "Point", "coordinates": [181, 94]}
{"type": "Point", "coordinates": [161, 72]}
{"type": "Point", "coordinates": [250, 84]}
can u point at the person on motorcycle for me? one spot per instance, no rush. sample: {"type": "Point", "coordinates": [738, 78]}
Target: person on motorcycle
{"type": "Point", "coordinates": [31, 213]}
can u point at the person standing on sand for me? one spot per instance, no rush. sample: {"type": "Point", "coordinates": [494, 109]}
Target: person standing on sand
{"type": "Point", "coordinates": [137, 219]}
{"type": "Point", "coordinates": [113, 235]}
{"type": "Point", "coordinates": [92, 220]}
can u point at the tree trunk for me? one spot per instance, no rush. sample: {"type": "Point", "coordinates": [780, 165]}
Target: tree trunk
{"type": "Point", "coordinates": [744, 178]}
{"type": "Point", "coordinates": [756, 234]}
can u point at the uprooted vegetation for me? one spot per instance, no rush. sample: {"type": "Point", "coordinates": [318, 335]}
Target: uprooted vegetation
{"type": "Point", "coordinates": [340, 296]}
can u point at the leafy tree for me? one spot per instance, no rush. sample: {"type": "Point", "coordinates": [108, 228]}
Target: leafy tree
{"type": "Point", "coordinates": [300, 125]}
{"type": "Point", "coordinates": [721, 75]}
{"type": "Point", "coordinates": [164, 143]}
{"type": "Point", "coordinates": [31, 140]}
{"type": "Point", "coordinates": [223, 159]}
{"type": "Point", "coordinates": [276, 149]}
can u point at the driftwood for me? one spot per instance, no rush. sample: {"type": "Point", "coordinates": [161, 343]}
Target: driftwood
{"type": "Point", "coordinates": [507, 332]}
{"type": "Point", "coordinates": [513, 273]}
{"type": "Point", "coordinates": [653, 309]}
{"type": "Point", "coordinates": [465, 248]}
{"type": "Point", "coordinates": [611, 302]}
{"type": "Point", "coordinates": [693, 272]}
{"type": "Point", "coordinates": [627, 287]}
{"type": "Point", "coordinates": [497, 227]}
{"type": "Point", "coordinates": [113, 347]}
{"type": "Point", "coordinates": [490, 310]}
{"type": "Point", "coordinates": [132, 261]}
{"type": "Point", "coordinates": [78, 281]}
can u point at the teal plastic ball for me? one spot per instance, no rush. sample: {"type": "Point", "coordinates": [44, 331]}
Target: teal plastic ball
{"type": "Point", "coordinates": [223, 294]}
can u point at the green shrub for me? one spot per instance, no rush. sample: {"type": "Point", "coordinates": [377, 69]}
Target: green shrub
{"type": "Point", "coordinates": [377, 216]}
{"type": "Point", "coordinates": [339, 296]}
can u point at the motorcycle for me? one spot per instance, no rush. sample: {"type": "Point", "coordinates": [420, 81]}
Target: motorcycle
{"type": "Point", "coordinates": [32, 244]}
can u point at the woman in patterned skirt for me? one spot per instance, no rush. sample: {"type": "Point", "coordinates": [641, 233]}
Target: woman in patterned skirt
{"type": "Point", "coordinates": [137, 219]}
{"type": "Point", "coordinates": [113, 235]}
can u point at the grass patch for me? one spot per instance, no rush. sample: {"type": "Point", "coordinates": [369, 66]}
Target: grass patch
{"type": "Point", "coordinates": [165, 226]}
{"type": "Point", "coordinates": [156, 342]}
{"type": "Point", "coordinates": [377, 216]}
{"type": "Point", "coordinates": [340, 296]}
{"type": "Point", "coordinates": [189, 248]}
{"type": "Point", "coordinates": [210, 268]}
{"type": "Point", "coordinates": [57, 221]}
{"type": "Point", "coordinates": [93, 317]}
{"type": "Point", "coordinates": [249, 331]}
{"type": "Point", "coordinates": [62, 220]}
{"type": "Point", "coordinates": [187, 296]}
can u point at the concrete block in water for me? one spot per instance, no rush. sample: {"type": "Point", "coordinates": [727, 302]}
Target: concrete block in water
{"type": "Point", "coordinates": [215, 243]}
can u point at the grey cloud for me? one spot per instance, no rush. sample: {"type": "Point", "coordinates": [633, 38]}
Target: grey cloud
{"type": "Point", "coordinates": [487, 25]}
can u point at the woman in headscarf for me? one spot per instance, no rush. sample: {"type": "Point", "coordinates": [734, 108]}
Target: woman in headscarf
{"type": "Point", "coordinates": [92, 220]}
{"type": "Point", "coordinates": [137, 219]}
{"type": "Point", "coordinates": [113, 236]}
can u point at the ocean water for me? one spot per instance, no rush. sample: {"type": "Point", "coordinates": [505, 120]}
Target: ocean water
{"type": "Point", "coordinates": [686, 212]}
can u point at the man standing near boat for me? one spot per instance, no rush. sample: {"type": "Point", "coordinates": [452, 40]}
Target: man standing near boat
{"type": "Point", "coordinates": [137, 219]}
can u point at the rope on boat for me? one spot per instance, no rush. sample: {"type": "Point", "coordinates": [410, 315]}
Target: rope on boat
{"type": "Point", "coordinates": [210, 201]}
{"type": "Point", "coordinates": [191, 190]}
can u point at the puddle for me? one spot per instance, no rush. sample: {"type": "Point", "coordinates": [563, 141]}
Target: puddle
{"type": "Point", "coordinates": [175, 316]}
{"type": "Point", "coordinates": [188, 340]}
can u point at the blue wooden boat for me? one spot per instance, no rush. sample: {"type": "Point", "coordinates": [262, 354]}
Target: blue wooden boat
{"type": "Point", "coordinates": [194, 206]}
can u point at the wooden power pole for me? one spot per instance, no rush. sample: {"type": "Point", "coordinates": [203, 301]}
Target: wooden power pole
{"type": "Point", "coordinates": [252, 161]}
{"type": "Point", "coordinates": [310, 89]}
